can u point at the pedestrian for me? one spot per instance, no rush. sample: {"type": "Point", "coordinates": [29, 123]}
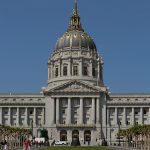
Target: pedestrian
{"type": "Point", "coordinates": [25, 145]}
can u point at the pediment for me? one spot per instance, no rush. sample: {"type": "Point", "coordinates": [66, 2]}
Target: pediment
{"type": "Point", "coordinates": [75, 86]}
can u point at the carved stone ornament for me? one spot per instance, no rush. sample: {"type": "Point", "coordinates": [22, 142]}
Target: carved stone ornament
{"type": "Point", "coordinates": [76, 87]}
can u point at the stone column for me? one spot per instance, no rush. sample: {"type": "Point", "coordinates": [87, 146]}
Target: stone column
{"type": "Point", "coordinates": [69, 68]}
{"type": "Point", "coordinates": [116, 116]}
{"type": "Point", "coordinates": [57, 110]}
{"type": "Point", "coordinates": [149, 116]}
{"type": "Point", "coordinates": [60, 72]}
{"type": "Point", "coordinates": [43, 116]}
{"type": "Point", "coordinates": [52, 70]}
{"type": "Point", "coordinates": [53, 111]}
{"type": "Point", "coordinates": [124, 116]}
{"type": "Point", "coordinates": [141, 115]}
{"type": "Point", "coordinates": [97, 111]}
{"type": "Point", "coordinates": [9, 116]}
{"type": "Point", "coordinates": [93, 110]}
{"type": "Point", "coordinates": [98, 69]}
{"type": "Point", "coordinates": [132, 116]}
{"type": "Point", "coordinates": [48, 72]}
{"type": "Point", "coordinates": [69, 111]}
{"type": "Point", "coordinates": [80, 68]}
{"type": "Point", "coordinates": [108, 117]}
{"type": "Point", "coordinates": [17, 117]}
{"type": "Point", "coordinates": [81, 110]}
{"type": "Point", "coordinates": [1, 115]}
{"type": "Point", "coordinates": [90, 68]}
{"type": "Point", "coordinates": [34, 116]}
{"type": "Point", "coordinates": [26, 117]}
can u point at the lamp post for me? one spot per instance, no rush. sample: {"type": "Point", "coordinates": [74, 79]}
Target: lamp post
{"type": "Point", "coordinates": [119, 123]}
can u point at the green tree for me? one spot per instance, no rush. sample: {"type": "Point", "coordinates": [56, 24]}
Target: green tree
{"type": "Point", "coordinates": [44, 133]}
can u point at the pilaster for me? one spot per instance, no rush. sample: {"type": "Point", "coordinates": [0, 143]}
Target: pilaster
{"type": "Point", "coordinates": [69, 111]}
{"type": "Point", "coordinates": [17, 117]}
{"type": "Point", "coordinates": [26, 117]}
{"type": "Point", "coordinates": [57, 110]}
{"type": "Point", "coordinates": [133, 118]}
{"type": "Point", "coordinates": [9, 116]}
{"type": "Point", "coordinates": [124, 116]}
{"type": "Point", "coordinates": [81, 110]}
{"type": "Point", "coordinates": [1, 117]}
{"type": "Point", "coordinates": [34, 116]}
{"type": "Point", "coordinates": [93, 110]}
{"type": "Point", "coordinates": [116, 116]}
{"type": "Point", "coordinates": [141, 115]}
{"type": "Point", "coordinates": [97, 111]}
{"type": "Point", "coordinates": [108, 117]}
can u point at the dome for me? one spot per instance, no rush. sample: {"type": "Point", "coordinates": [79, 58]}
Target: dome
{"type": "Point", "coordinates": [75, 39]}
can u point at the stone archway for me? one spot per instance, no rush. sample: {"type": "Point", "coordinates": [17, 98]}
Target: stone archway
{"type": "Point", "coordinates": [63, 135]}
{"type": "Point", "coordinates": [87, 136]}
{"type": "Point", "coordinates": [75, 135]}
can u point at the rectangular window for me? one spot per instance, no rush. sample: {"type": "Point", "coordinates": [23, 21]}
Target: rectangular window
{"type": "Point", "coordinates": [65, 70]}
{"type": "Point", "coordinates": [93, 72]}
{"type": "Point", "coordinates": [85, 71]}
{"type": "Point", "coordinates": [56, 72]}
{"type": "Point", "coordinates": [75, 70]}
{"type": "Point", "coordinates": [63, 111]}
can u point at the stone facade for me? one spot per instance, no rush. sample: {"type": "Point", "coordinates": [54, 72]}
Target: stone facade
{"type": "Point", "coordinates": [75, 104]}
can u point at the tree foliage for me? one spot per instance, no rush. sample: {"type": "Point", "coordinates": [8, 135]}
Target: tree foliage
{"type": "Point", "coordinates": [44, 133]}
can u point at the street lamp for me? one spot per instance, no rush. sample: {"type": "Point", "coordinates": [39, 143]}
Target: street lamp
{"type": "Point", "coordinates": [119, 123]}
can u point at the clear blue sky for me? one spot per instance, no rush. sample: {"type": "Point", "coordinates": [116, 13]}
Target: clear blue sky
{"type": "Point", "coordinates": [29, 30]}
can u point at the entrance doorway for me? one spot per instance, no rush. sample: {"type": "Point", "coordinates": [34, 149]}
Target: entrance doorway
{"type": "Point", "coordinates": [75, 138]}
{"type": "Point", "coordinates": [63, 135]}
{"type": "Point", "coordinates": [87, 136]}
{"type": "Point", "coordinates": [75, 134]}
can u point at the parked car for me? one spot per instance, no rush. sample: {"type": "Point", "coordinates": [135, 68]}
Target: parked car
{"type": "Point", "coordinates": [61, 143]}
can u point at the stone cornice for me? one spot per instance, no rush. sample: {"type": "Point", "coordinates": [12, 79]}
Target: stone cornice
{"type": "Point", "coordinates": [22, 104]}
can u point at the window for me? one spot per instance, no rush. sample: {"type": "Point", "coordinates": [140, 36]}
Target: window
{"type": "Point", "coordinates": [75, 121]}
{"type": "Point", "coordinates": [144, 111]}
{"type": "Point", "coordinates": [75, 70]}
{"type": "Point", "coordinates": [75, 112]}
{"type": "Point", "coordinates": [31, 112]}
{"type": "Point", "coordinates": [85, 71]}
{"type": "Point", "coordinates": [127, 122]}
{"type": "Point", "coordinates": [65, 70]}
{"type": "Point", "coordinates": [93, 72]}
{"type": "Point", "coordinates": [56, 72]}
{"type": "Point", "coordinates": [63, 111]}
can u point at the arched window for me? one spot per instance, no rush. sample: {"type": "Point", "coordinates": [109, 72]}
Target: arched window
{"type": "Point", "coordinates": [85, 70]}
{"type": "Point", "coordinates": [75, 70]}
{"type": "Point", "coordinates": [65, 70]}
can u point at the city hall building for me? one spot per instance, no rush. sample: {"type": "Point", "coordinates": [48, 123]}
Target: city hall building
{"type": "Point", "coordinates": [75, 103]}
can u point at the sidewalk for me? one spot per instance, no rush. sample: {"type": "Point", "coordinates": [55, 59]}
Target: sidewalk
{"type": "Point", "coordinates": [122, 148]}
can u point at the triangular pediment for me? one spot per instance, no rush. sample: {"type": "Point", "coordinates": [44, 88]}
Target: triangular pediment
{"type": "Point", "coordinates": [75, 86]}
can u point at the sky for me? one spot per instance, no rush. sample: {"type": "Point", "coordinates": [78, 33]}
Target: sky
{"type": "Point", "coordinates": [29, 30]}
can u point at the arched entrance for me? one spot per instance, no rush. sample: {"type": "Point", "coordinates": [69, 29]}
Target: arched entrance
{"type": "Point", "coordinates": [75, 134]}
{"type": "Point", "coordinates": [63, 135]}
{"type": "Point", "coordinates": [75, 138]}
{"type": "Point", "coordinates": [87, 136]}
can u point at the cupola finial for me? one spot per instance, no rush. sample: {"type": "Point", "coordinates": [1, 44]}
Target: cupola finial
{"type": "Point", "coordinates": [75, 10]}
{"type": "Point", "coordinates": [75, 23]}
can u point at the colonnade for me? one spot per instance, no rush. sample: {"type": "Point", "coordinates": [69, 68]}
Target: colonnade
{"type": "Point", "coordinates": [94, 115]}
{"type": "Point", "coordinates": [129, 118]}
{"type": "Point", "coordinates": [19, 118]}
